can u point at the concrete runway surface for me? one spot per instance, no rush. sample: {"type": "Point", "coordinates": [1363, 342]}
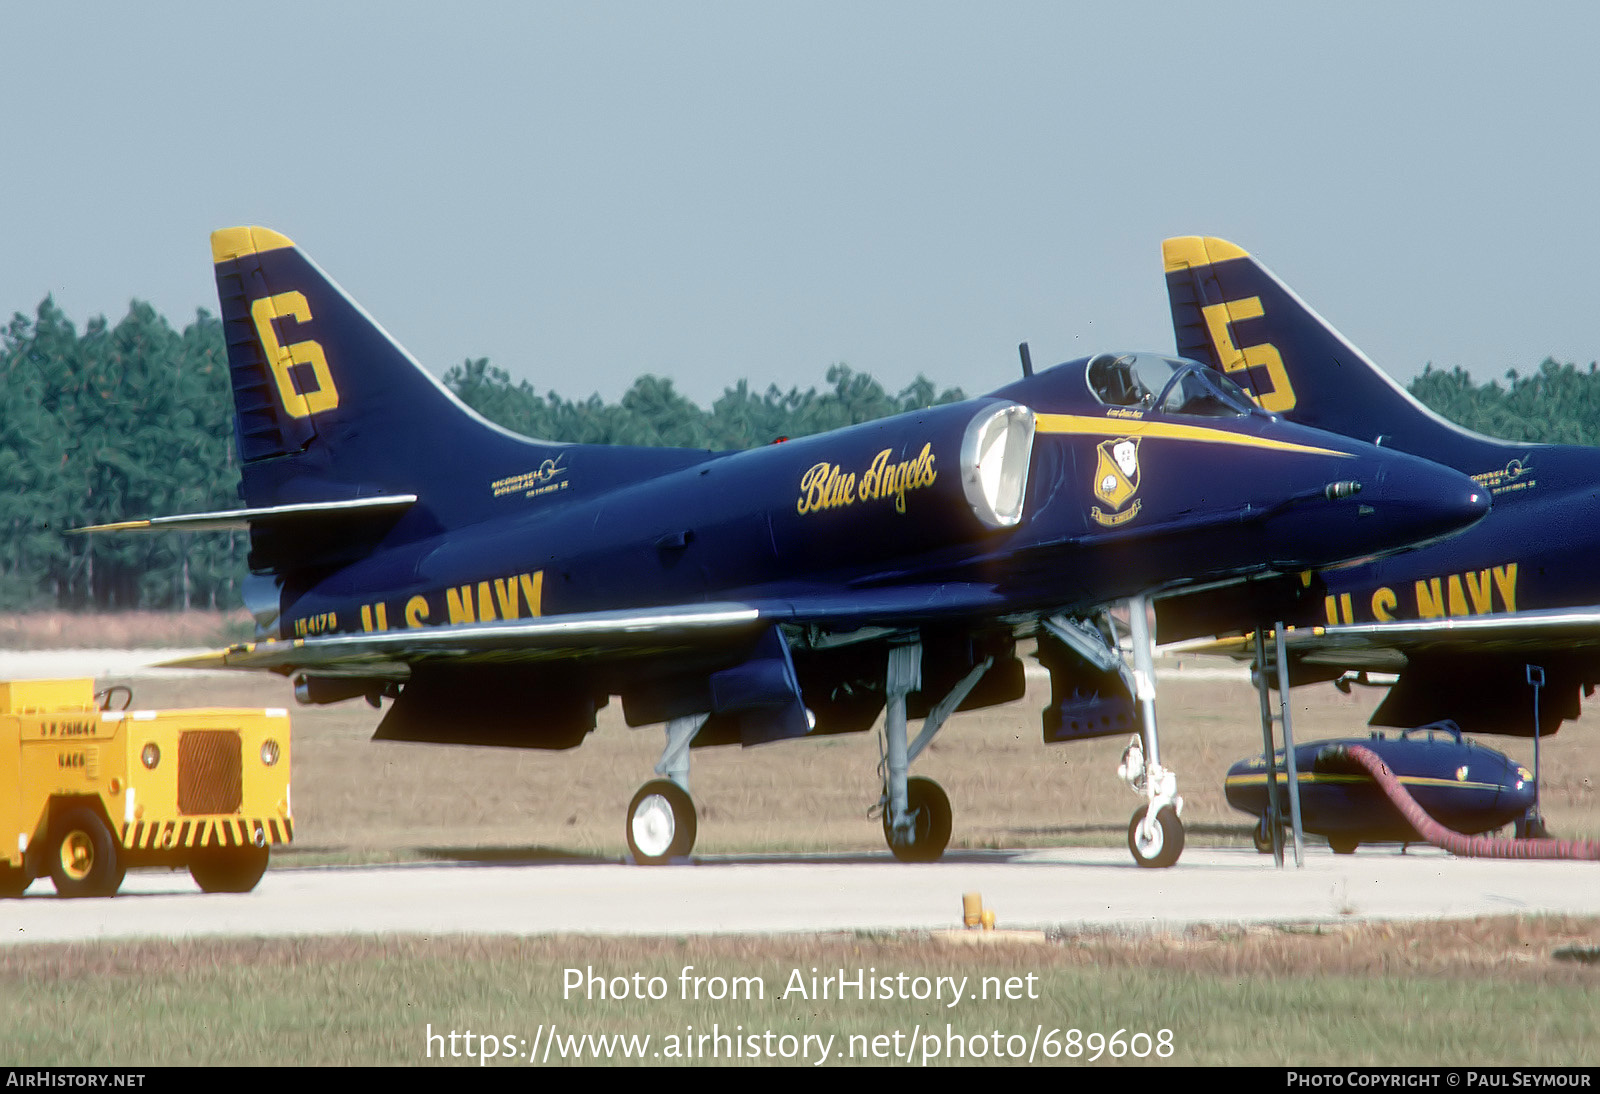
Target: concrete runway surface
{"type": "Point", "coordinates": [1069, 889]}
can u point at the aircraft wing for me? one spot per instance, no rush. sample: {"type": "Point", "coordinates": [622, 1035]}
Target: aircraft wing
{"type": "Point", "coordinates": [547, 638]}
{"type": "Point", "coordinates": [1390, 647]}
{"type": "Point", "coordinates": [597, 635]}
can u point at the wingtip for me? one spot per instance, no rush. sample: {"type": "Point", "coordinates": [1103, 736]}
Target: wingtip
{"type": "Point", "coordinates": [114, 526]}
{"type": "Point", "coordinates": [215, 660]}
{"type": "Point", "coordinates": [1187, 252]}
{"type": "Point", "coordinates": [230, 243]}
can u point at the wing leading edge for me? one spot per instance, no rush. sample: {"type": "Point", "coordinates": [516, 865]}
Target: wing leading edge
{"type": "Point", "coordinates": [1563, 629]}
{"type": "Point", "coordinates": [588, 634]}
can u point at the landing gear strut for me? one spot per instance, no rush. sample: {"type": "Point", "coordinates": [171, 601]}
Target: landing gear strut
{"type": "Point", "coordinates": [1155, 834]}
{"type": "Point", "coordinates": [916, 811]}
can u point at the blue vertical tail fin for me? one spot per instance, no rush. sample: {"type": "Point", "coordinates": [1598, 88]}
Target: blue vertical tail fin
{"type": "Point", "coordinates": [1230, 312]}
{"type": "Point", "coordinates": [328, 407]}
{"type": "Point", "coordinates": [331, 410]}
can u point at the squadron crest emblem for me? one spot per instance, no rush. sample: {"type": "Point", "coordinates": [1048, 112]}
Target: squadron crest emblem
{"type": "Point", "coordinates": [1116, 481]}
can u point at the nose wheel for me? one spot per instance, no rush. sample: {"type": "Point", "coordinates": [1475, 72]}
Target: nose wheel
{"type": "Point", "coordinates": [1155, 843]}
{"type": "Point", "coordinates": [1155, 834]}
{"type": "Point", "coordinates": [661, 823]}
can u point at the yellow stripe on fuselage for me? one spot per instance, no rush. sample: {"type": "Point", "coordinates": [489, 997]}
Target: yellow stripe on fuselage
{"type": "Point", "coordinates": [228, 244]}
{"type": "Point", "coordinates": [1259, 778]}
{"type": "Point", "coordinates": [1086, 425]}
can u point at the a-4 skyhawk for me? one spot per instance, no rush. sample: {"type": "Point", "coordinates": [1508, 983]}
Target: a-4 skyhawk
{"type": "Point", "coordinates": [1498, 630]}
{"type": "Point", "coordinates": [1459, 621]}
{"type": "Point", "coordinates": [501, 590]}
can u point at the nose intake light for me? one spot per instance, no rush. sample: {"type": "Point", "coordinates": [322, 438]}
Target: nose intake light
{"type": "Point", "coordinates": [995, 454]}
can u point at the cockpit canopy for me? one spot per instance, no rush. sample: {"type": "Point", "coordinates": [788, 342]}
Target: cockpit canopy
{"type": "Point", "coordinates": [1171, 385]}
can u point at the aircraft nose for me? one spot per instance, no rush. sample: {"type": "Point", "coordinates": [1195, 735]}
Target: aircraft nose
{"type": "Point", "coordinates": [1519, 794]}
{"type": "Point", "coordinates": [1424, 501]}
{"type": "Point", "coordinates": [1383, 502]}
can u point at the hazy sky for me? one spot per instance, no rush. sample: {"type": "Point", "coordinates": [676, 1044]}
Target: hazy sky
{"type": "Point", "coordinates": [583, 192]}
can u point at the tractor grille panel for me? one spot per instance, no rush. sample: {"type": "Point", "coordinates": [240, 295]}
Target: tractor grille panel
{"type": "Point", "coordinates": [209, 772]}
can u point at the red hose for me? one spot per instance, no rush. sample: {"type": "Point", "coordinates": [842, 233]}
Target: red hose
{"type": "Point", "coordinates": [1456, 843]}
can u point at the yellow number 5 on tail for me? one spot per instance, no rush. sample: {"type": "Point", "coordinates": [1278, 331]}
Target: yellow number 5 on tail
{"type": "Point", "coordinates": [1280, 400]}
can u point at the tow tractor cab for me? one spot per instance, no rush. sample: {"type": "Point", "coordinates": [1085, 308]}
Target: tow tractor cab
{"type": "Point", "coordinates": [87, 791]}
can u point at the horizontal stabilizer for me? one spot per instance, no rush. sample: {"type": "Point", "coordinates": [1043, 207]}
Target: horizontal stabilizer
{"type": "Point", "coordinates": [229, 520]}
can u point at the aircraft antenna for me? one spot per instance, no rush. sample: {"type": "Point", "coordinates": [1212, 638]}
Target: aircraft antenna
{"type": "Point", "coordinates": [1027, 359]}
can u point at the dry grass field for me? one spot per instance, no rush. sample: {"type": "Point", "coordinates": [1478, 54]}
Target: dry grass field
{"type": "Point", "coordinates": [121, 630]}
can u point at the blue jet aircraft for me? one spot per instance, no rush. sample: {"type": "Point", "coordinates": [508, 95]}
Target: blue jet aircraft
{"type": "Point", "coordinates": [1459, 621]}
{"type": "Point", "coordinates": [501, 590]}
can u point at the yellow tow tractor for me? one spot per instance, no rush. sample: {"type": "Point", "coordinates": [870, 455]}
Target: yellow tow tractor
{"type": "Point", "coordinates": [87, 791]}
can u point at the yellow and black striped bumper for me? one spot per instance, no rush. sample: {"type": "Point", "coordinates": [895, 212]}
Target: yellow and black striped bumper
{"type": "Point", "coordinates": [207, 832]}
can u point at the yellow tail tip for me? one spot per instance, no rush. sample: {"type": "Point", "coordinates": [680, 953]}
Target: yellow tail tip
{"type": "Point", "coordinates": [230, 243]}
{"type": "Point", "coordinates": [1187, 252]}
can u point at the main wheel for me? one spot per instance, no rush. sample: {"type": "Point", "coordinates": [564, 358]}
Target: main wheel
{"type": "Point", "coordinates": [1343, 845]}
{"type": "Point", "coordinates": [85, 861]}
{"type": "Point", "coordinates": [228, 869]}
{"type": "Point", "coordinates": [1156, 845]}
{"type": "Point", "coordinates": [661, 823]}
{"type": "Point", "coordinates": [1531, 826]}
{"type": "Point", "coordinates": [929, 807]}
{"type": "Point", "coordinates": [1261, 836]}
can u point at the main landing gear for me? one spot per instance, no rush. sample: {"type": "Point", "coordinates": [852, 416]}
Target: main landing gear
{"type": "Point", "coordinates": [1155, 832]}
{"type": "Point", "coordinates": [661, 823]}
{"type": "Point", "coordinates": [916, 811]}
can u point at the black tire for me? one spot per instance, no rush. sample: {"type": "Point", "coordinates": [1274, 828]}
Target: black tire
{"type": "Point", "coordinates": [661, 823]}
{"type": "Point", "coordinates": [929, 806]}
{"type": "Point", "coordinates": [1531, 827]}
{"type": "Point", "coordinates": [1343, 845]}
{"type": "Point", "coordinates": [1262, 837]}
{"type": "Point", "coordinates": [1161, 846]}
{"type": "Point", "coordinates": [13, 880]}
{"type": "Point", "coordinates": [228, 869]}
{"type": "Point", "coordinates": [84, 859]}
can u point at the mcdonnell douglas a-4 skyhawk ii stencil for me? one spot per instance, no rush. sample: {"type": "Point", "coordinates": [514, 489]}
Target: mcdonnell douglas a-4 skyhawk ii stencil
{"type": "Point", "coordinates": [501, 589]}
